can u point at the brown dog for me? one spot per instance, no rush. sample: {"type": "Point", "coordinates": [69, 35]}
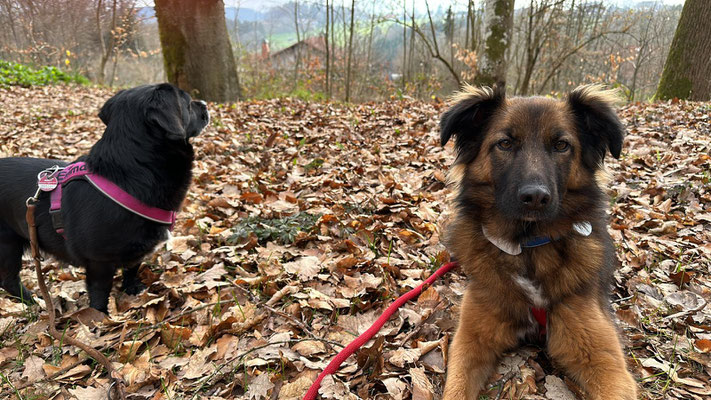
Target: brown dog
{"type": "Point", "coordinates": [530, 231]}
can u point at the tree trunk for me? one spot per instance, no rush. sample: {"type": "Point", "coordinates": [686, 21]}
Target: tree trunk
{"type": "Point", "coordinates": [197, 53]}
{"type": "Point", "coordinates": [328, 56]}
{"type": "Point", "coordinates": [403, 76]}
{"type": "Point", "coordinates": [106, 50]}
{"type": "Point", "coordinates": [11, 17]}
{"type": "Point", "coordinates": [334, 54]}
{"type": "Point", "coordinates": [350, 53]}
{"type": "Point", "coordinates": [297, 64]}
{"type": "Point", "coordinates": [687, 71]}
{"type": "Point", "coordinates": [468, 22]}
{"type": "Point", "coordinates": [499, 21]}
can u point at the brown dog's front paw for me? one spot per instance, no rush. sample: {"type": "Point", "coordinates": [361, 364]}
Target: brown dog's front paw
{"type": "Point", "coordinates": [460, 388]}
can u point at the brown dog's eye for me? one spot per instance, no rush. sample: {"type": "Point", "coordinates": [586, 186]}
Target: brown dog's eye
{"type": "Point", "coordinates": [505, 144]}
{"type": "Point", "coordinates": [561, 146]}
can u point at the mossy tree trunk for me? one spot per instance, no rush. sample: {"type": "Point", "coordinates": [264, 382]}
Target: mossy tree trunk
{"type": "Point", "coordinates": [197, 53]}
{"type": "Point", "coordinates": [498, 16]}
{"type": "Point", "coordinates": [687, 70]}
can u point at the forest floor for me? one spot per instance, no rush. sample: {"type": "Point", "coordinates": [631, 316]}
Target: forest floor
{"type": "Point", "coordinates": [305, 220]}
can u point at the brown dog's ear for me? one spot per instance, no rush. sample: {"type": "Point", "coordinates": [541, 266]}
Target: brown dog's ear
{"type": "Point", "coordinates": [165, 111]}
{"type": "Point", "coordinates": [597, 123]}
{"type": "Point", "coordinates": [469, 117]}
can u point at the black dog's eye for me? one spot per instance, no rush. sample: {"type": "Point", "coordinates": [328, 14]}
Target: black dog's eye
{"type": "Point", "coordinates": [505, 144]}
{"type": "Point", "coordinates": [561, 146]}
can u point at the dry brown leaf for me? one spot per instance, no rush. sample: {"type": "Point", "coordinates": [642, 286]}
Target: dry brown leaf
{"type": "Point", "coordinates": [90, 393]}
{"type": "Point", "coordinates": [422, 388]}
{"type": "Point", "coordinates": [309, 348]}
{"type": "Point", "coordinates": [259, 387]}
{"type": "Point", "coordinates": [33, 370]}
{"type": "Point", "coordinates": [305, 268]}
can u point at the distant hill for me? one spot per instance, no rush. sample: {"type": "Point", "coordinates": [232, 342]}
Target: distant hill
{"type": "Point", "coordinates": [244, 14]}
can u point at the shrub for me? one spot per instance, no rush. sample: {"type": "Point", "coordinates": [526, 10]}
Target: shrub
{"type": "Point", "coordinates": [281, 230]}
{"type": "Point", "coordinates": [14, 74]}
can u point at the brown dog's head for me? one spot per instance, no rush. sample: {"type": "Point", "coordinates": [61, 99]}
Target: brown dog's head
{"type": "Point", "coordinates": [531, 159]}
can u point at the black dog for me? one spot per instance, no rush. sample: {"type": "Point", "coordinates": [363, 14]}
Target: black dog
{"type": "Point", "coordinates": [145, 151]}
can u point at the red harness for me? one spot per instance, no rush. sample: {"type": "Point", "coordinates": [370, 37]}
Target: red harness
{"type": "Point", "coordinates": [541, 316]}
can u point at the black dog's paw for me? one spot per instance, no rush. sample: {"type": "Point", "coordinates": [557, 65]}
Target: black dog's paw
{"type": "Point", "coordinates": [21, 293]}
{"type": "Point", "coordinates": [134, 288]}
{"type": "Point", "coordinates": [131, 283]}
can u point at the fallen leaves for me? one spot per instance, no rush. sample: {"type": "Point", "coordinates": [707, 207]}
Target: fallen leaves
{"type": "Point", "coordinates": [305, 220]}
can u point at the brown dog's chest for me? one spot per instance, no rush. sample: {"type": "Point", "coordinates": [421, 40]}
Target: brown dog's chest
{"type": "Point", "coordinates": [531, 290]}
{"type": "Point", "coordinates": [543, 276]}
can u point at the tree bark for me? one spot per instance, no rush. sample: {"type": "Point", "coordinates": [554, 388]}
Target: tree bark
{"type": "Point", "coordinates": [106, 50]}
{"type": "Point", "coordinates": [687, 71]}
{"type": "Point", "coordinates": [403, 78]}
{"type": "Point", "coordinates": [334, 54]}
{"type": "Point", "coordinates": [197, 53]}
{"type": "Point", "coordinates": [297, 64]}
{"type": "Point", "coordinates": [499, 22]}
{"type": "Point", "coordinates": [350, 53]}
{"type": "Point", "coordinates": [328, 56]}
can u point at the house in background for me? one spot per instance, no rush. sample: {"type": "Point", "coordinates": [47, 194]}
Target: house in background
{"type": "Point", "coordinates": [309, 48]}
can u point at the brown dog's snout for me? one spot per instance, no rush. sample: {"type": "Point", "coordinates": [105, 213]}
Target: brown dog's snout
{"type": "Point", "coordinates": [534, 197]}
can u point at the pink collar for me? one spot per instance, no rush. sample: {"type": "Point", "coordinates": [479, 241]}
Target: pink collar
{"type": "Point", "coordinates": [53, 179]}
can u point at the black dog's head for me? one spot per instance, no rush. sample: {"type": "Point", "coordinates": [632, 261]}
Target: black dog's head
{"type": "Point", "coordinates": [164, 109]}
{"type": "Point", "coordinates": [534, 158]}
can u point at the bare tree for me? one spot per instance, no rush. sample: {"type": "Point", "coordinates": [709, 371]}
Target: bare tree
{"type": "Point", "coordinates": [403, 78]}
{"type": "Point", "coordinates": [430, 42]}
{"type": "Point", "coordinates": [297, 64]}
{"type": "Point", "coordinates": [106, 49]}
{"type": "Point", "coordinates": [350, 53]}
{"type": "Point", "coordinates": [328, 55]}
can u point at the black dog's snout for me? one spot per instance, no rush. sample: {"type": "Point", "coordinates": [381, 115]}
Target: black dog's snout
{"type": "Point", "coordinates": [202, 110]}
{"type": "Point", "coordinates": [534, 197]}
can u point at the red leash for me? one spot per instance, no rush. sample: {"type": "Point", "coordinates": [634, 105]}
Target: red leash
{"type": "Point", "coordinates": [367, 335]}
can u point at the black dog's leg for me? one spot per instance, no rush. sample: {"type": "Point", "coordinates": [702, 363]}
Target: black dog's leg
{"type": "Point", "coordinates": [11, 248]}
{"type": "Point", "coordinates": [131, 283]}
{"type": "Point", "coordinates": [99, 279]}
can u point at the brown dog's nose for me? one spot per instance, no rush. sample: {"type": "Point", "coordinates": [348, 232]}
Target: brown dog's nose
{"type": "Point", "coordinates": [534, 197]}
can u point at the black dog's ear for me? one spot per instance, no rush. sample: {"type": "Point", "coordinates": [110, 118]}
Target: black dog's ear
{"type": "Point", "coordinates": [165, 111]}
{"type": "Point", "coordinates": [597, 123]}
{"type": "Point", "coordinates": [107, 108]}
{"type": "Point", "coordinates": [469, 116]}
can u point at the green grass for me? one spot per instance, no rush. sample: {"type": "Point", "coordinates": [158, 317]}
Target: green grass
{"type": "Point", "coordinates": [14, 74]}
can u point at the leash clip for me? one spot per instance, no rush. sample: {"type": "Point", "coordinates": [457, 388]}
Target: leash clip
{"type": "Point", "coordinates": [46, 182]}
{"type": "Point", "coordinates": [33, 199]}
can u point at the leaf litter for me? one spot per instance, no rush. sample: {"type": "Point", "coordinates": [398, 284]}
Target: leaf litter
{"type": "Point", "coordinates": [305, 220]}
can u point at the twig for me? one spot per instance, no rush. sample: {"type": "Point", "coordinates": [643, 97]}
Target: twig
{"type": "Point", "coordinates": [53, 375]}
{"type": "Point", "coordinates": [93, 353]}
{"type": "Point", "coordinates": [690, 311]}
{"type": "Point", "coordinates": [12, 387]}
{"type": "Point", "coordinates": [178, 316]}
{"type": "Point", "coordinates": [253, 349]}
{"type": "Point", "coordinates": [417, 328]}
{"type": "Point", "coordinates": [502, 381]}
{"type": "Point", "coordinates": [288, 289]}
{"type": "Point", "coordinates": [278, 296]}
